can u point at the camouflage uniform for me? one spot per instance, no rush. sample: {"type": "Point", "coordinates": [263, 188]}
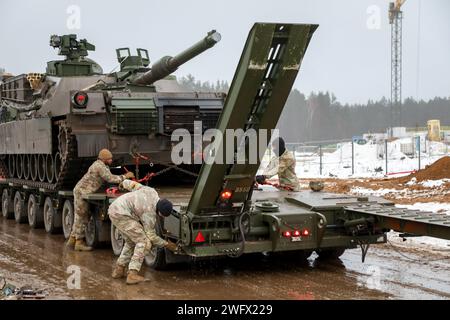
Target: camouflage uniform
{"type": "Point", "coordinates": [97, 173]}
{"type": "Point", "coordinates": [134, 215]}
{"type": "Point", "coordinates": [284, 166]}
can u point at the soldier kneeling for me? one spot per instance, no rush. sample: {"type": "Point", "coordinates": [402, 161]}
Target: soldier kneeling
{"type": "Point", "coordinates": [134, 214]}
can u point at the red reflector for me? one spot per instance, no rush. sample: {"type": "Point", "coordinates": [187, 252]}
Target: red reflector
{"type": "Point", "coordinates": [81, 99]}
{"type": "Point", "coordinates": [287, 234]}
{"type": "Point", "coordinates": [296, 233]}
{"type": "Point", "coordinates": [306, 232]}
{"type": "Point", "coordinates": [199, 237]}
{"type": "Point", "coordinates": [225, 195]}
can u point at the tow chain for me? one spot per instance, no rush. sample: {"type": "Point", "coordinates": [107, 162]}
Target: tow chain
{"type": "Point", "coordinates": [137, 157]}
{"type": "Point", "coordinates": [278, 186]}
{"type": "Point", "coordinates": [412, 259]}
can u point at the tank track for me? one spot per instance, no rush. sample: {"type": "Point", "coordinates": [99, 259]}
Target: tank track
{"type": "Point", "coordinates": [71, 171]}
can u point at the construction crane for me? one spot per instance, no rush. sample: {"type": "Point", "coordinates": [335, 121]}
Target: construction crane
{"type": "Point", "coordinates": [395, 20]}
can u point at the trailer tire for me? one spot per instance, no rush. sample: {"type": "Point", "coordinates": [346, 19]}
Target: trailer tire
{"type": "Point", "coordinates": [156, 259]}
{"type": "Point", "coordinates": [35, 214]}
{"type": "Point", "coordinates": [97, 231]}
{"type": "Point", "coordinates": [330, 254]}
{"type": "Point", "coordinates": [20, 214]}
{"type": "Point", "coordinates": [7, 205]}
{"type": "Point", "coordinates": [117, 241]}
{"type": "Point", "coordinates": [67, 218]}
{"type": "Point", "coordinates": [52, 220]}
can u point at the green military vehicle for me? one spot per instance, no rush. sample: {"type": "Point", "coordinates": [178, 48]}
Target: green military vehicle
{"type": "Point", "coordinates": [53, 124]}
{"type": "Point", "coordinates": [224, 215]}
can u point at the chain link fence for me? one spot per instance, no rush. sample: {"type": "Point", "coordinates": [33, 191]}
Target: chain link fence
{"type": "Point", "coordinates": [360, 157]}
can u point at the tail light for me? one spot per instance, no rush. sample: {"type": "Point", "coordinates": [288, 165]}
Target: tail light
{"type": "Point", "coordinates": [287, 234]}
{"type": "Point", "coordinates": [226, 195]}
{"type": "Point", "coordinates": [80, 99]}
{"type": "Point", "coordinates": [296, 233]}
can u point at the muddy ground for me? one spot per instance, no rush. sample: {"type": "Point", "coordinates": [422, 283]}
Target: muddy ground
{"type": "Point", "coordinates": [33, 257]}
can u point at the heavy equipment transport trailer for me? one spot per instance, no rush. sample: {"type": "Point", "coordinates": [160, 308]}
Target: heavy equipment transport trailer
{"type": "Point", "coordinates": [54, 210]}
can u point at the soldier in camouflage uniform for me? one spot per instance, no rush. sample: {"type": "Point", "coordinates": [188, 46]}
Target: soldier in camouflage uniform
{"type": "Point", "coordinates": [283, 165]}
{"type": "Point", "coordinates": [97, 174]}
{"type": "Point", "coordinates": [134, 214]}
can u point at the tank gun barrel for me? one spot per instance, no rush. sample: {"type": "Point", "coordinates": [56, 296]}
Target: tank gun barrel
{"type": "Point", "coordinates": [167, 65]}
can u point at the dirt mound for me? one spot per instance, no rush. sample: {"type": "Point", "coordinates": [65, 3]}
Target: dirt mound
{"type": "Point", "coordinates": [438, 170]}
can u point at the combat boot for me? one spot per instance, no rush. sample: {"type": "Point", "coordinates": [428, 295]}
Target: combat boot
{"type": "Point", "coordinates": [134, 278]}
{"type": "Point", "coordinates": [118, 272]}
{"type": "Point", "coordinates": [71, 241]}
{"type": "Point", "coordinates": [80, 245]}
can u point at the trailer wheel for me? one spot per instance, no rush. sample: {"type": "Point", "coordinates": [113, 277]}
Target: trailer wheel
{"type": "Point", "coordinates": [156, 259]}
{"type": "Point", "coordinates": [52, 220]}
{"type": "Point", "coordinates": [92, 232]}
{"type": "Point", "coordinates": [97, 230]}
{"type": "Point", "coordinates": [117, 241]}
{"type": "Point", "coordinates": [20, 215]}
{"type": "Point", "coordinates": [7, 205]}
{"type": "Point", "coordinates": [35, 214]}
{"type": "Point", "coordinates": [67, 218]}
{"type": "Point", "coordinates": [330, 254]}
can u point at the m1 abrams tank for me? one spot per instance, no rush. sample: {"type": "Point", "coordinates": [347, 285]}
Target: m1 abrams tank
{"type": "Point", "coordinates": [53, 124]}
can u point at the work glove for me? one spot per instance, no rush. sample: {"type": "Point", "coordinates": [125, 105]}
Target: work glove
{"type": "Point", "coordinates": [129, 175]}
{"type": "Point", "coordinates": [171, 246]}
{"type": "Point", "coordinates": [260, 179]}
{"type": "Point", "coordinates": [121, 187]}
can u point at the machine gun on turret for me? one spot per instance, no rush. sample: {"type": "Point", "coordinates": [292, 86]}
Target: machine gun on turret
{"type": "Point", "coordinates": [71, 48]}
{"type": "Point", "coordinates": [76, 63]}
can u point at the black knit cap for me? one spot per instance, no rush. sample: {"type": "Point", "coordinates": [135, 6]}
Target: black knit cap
{"type": "Point", "coordinates": [279, 146]}
{"type": "Point", "coordinates": [164, 207]}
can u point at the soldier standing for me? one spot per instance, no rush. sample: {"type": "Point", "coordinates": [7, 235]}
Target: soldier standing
{"type": "Point", "coordinates": [97, 174]}
{"type": "Point", "coordinates": [282, 164]}
{"type": "Point", "coordinates": [134, 214]}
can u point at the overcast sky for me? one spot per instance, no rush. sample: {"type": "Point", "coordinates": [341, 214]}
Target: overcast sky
{"type": "Point", "coordinates": [349, 54]}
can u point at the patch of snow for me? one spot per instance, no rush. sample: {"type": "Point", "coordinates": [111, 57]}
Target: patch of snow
{"type": "Point", "coordinates": [435, 207]}
{"type": "Point", "coordinates": [433, 183]}
{"type": "Point", "coordinates": [369, 160]}
{"type": "Point", "coordinates": [376, 193]}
